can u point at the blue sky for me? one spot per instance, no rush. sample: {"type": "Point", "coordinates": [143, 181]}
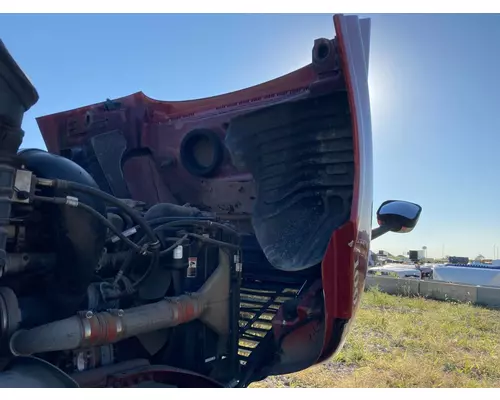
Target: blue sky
{"type": "Point", "coordinates": [434, 81]}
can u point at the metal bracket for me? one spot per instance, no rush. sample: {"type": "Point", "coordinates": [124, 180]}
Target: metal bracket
{"type": "Point", "coordinates": [22, 186]}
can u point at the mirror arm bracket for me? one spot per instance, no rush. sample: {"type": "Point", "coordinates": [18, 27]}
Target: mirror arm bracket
{"type": "Point", "coordinates": [381, 230]}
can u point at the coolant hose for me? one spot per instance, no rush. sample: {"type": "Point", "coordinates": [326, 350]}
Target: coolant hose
{"type": "Point", "coordinates": [210, 304]}
{"type": "Point", "coordinates": [89, 330]}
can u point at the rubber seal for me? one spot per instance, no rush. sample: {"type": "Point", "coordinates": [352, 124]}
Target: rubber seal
{"type": "Point", "coordinates": [189, 157]}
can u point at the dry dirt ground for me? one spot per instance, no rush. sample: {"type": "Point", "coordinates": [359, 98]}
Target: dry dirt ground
{"type": "Point", "coordinates": [410, 343]}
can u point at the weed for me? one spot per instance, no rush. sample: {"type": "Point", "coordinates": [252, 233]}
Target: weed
{"type": "Point", "coordinates": [410, 342]}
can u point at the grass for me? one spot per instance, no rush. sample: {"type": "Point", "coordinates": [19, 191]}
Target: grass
{"type": "Point", "coordinates": [401, 342]}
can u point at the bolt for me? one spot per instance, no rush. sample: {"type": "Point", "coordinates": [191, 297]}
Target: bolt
{"type": "Point", "coordinates": [23, 195]}
{"type": "Point", "coordinates": [117, 312]}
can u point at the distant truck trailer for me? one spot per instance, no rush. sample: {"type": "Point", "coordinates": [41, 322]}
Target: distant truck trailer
{"type": "Point", "coordinates": [458, 260]}
{"type": "Point", "coordinates": [416, 255]}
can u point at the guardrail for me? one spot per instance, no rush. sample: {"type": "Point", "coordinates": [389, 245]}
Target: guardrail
{"type": "Point", "coordinates": [482, 295]}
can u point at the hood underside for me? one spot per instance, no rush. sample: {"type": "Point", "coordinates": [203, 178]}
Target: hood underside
{"type": "Point", "coordinates": [279, 154]}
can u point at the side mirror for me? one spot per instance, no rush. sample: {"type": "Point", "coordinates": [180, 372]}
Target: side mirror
{"type": "Point", "coordinates": [398, 216]}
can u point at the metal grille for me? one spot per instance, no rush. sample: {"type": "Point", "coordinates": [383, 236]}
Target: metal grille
{"type": "Point", "coordinates": [259, 304]}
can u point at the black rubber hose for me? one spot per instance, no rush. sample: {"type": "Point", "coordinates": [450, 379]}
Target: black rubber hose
{"type": "Point", "coordinates": [171, 248]}
{"type": "Point", "coordinates": [95, 214]}
{"type": "Point", "coordinates": [164, 220]}
{"type": "Point", "coordinates": [110, 226]}
{"type": "Point", "coordinates": [118, 211]}
{"type": "Point", "coordinates": [136, 217]}
{"type": "Point", "coordinates": [201, 222]}
{"type": "Point", "coordinates": [151, 267]}
{"type": "Point", "coordinates": [214, 242]}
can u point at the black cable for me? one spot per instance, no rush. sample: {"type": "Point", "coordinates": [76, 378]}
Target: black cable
{"type": "Point", "coordinates": [196, 221]}
{"type": "Point", "coordinates": [152, 264]}
{"type": "Point", "coordinates": [164, 220]}
{"type": "Point", "coordinates": [173, 222]}
{"type": "Point", "coordinates": [171, 248]}
{"type": "Point", "coordinates": [128, 261]}
{"type": "Point", "coordinates": [136, 217]}
{"type": "Point", "coordinates": [110, 226]}
{"type": "Point", "coordinates": [213, 241]}
{"type": "Point", "coordinates": [124, 267]}
{"type": "Point", "coordinates": [169, 225]}
{"type": "Point", "coordinates": [155, 257]}
{"type": "Point", "coordinates": [137, 248]}
{"type": "Point", "coordinates": [123, 215]}
{"type": "Point", "coordinates": [105, 221]}
{"type": "Point", "coordinates": [95, 214]}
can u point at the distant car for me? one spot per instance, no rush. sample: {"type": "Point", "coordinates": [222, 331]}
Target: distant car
{"type": "Point", "coordinates": [426, 271]}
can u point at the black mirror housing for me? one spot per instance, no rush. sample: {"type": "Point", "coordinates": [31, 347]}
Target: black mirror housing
{"type": "Point", "coordinates": [399, 216]}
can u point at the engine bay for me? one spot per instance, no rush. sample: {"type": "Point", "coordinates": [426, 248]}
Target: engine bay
{"type": "Point", "coordinates": [92, 282]}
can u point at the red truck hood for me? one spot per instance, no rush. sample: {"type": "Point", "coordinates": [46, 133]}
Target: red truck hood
{"type": "Point", "coordinates": [290, 159]}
